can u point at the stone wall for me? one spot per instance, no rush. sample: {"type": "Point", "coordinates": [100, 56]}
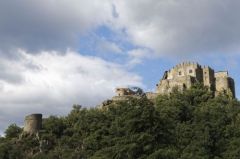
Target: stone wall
{"type": "Point", "coordinates": [151, 95]}
{"type": "Point", "coordinates": [232, 86]}
{"type": "Point", "coordinates": [185, 69]}
{"type": "Point", "coordinates": [124, 91]}
{"type": "Point", "coordinates": [221, 81]}
{"type": "Point", "coordinates": [208, 77]}
{"type": "Point", "coordinates": [224, 83]}
{"type": "Point", "coordinates": [181, 83]}
{"type": "Point", "coordinates": [125, 97]}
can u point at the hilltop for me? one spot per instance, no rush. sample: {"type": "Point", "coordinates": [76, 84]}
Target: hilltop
{"type": "Point", "coordinates": [185, 124]}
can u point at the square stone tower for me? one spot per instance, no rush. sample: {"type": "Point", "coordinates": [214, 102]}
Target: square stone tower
{"type": "Point", "coordinates": [224, 83]}
{"type": "Point", "coordinates": [208, 77]}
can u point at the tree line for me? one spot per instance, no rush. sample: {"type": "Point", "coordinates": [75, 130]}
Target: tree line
{"type": "Point", "coordinates": [182, 125]}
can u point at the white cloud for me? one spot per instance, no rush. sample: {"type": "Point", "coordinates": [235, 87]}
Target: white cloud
{"type": "Point", "coordinates": [138, 53]}
{"type": "Point", "coordinates": [51, 82]}
{"type": "Point", "coordinates": [181, 27]}
{"type": "Point", "coordinates": [105, 46]}
{"type": "Point", "coordinates": [170, 27]}
{"type": "Point", "coordinates": [136, 56]}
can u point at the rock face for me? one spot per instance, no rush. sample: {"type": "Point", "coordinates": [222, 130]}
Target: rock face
{"type": "Point", "coordinates": [32, 123]}
{"type": "Point", "coordinates": [184, 75]}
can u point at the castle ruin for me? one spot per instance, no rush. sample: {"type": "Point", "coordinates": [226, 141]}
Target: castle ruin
{"type": "Point", "coordinates": [124, 91]}
{"type": "Point", "coordinates": [32, 123]}
{"type": "Point", "coordinates": [183, 76]}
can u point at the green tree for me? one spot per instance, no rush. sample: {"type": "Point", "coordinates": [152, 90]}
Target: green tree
{"type": "Point", "coordinates": [13, 131]}
{"type": "Point", "coordinates": [182, 125]}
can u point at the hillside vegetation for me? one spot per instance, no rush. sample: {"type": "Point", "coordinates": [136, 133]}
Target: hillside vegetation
{"type": "Point", "coordinates": [188, 125]}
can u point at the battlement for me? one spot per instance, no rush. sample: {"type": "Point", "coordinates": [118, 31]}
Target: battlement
{"type": "Point", "coordinates": [221, 74]}
{"type": "Point", "coordinates": [184, 69]}
{"type": "Point", "coordinates": [186, 64]}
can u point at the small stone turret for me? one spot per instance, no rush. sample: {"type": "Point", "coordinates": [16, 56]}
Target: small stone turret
{"type": "Point", "coordinates": [32, 123]}
{"type": "Point", "coordinates": [124, 91]}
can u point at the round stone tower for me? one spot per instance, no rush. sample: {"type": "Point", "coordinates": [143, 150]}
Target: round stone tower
{"type": "Point", "coordinates": [32, 123]}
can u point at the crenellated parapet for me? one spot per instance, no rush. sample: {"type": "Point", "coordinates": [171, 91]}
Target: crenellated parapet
{"type": "Point", "coordinates": [187, 64]}
{"type": "Point", "coordinates": [184, 69]}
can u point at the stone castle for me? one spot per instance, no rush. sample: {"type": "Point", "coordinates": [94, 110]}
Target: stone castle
{"type": "Point", "coordinates": [182, 77]}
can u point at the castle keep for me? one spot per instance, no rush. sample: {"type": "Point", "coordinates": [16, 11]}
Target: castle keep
{"type": "Point", "coordinates": [183, 76]}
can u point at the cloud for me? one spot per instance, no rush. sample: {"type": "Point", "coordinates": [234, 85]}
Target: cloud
{"type": "Point", "coordinates": [181, 27]}
{"type": "Point", "coordinates": [49, 79]}
{"type": "Point", "coordinates": [104, 46]}
{"type": "Point", "coordinates": [51, 82]}
{"type": "Point", "coordinates": [167, 27]}
{"type": "Point", "coordinates": [49, 24]}
{"type": "Point", "coordinates": [136, 56]}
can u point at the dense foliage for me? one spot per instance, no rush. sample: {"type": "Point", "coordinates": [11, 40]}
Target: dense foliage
{"type": "Point", "coordinates": [188, 125]}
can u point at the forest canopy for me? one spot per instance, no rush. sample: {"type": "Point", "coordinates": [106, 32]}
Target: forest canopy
{"type": "Point", "coordinates": [183, 125]}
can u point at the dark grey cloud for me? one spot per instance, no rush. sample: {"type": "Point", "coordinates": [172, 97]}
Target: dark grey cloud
{"type": "Point", "coordinates": [48, 24]}
{"type": "Point", "coordinates": [168, 27]}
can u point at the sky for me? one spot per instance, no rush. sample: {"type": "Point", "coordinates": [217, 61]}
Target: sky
{"type": "Point", "coordinates": [56, 53]}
